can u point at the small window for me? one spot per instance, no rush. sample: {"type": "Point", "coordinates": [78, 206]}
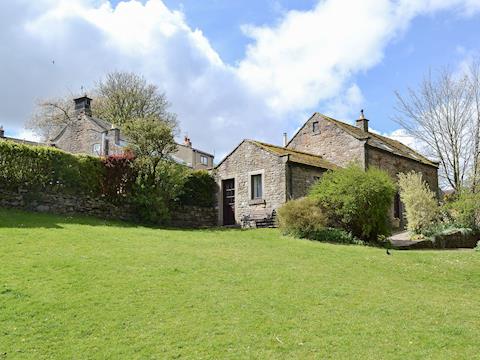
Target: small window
{"type": "Point", "coordinates": [315, 128]}
{"type": "Point", "coordinates": [256, 187]}
{"type": "Point", "coordinates": [204, 159]}
{"type": "Point", "coordinates": [96, 149]}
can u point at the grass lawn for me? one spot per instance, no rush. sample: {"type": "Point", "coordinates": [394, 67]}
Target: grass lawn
{"type": "Point", "coordinates": [82, 288]}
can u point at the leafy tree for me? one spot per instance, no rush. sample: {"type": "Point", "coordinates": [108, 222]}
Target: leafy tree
{"type": "Point", "coordinates": [119, 98]}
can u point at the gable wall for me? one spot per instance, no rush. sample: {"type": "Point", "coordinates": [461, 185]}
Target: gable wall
{"type": "Point", "coordinates": [331, 142]}
{"type": "Point", "coordinates": [80, 137]}
{"type": "Point", "coordinates": [245, 159]}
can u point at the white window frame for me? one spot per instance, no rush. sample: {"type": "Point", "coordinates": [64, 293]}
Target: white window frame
{"type": "Point", "coordinates": [97, 148]}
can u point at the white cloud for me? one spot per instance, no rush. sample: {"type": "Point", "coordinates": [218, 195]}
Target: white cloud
{"type": "Point", "coordinates": [306, 58]}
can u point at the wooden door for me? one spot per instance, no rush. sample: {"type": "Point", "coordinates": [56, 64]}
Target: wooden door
{"type": "Point", "coordinates": [228, 202]}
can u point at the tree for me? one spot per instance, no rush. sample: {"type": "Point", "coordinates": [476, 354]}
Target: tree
{"type": "Point", "coordinates": [149, 137]}
{"type": "Point", "coordinates": [51, 116]}
{"type": "Point", "coordinates": [123, 96]}
{"type": "Point", "coordinates": [440, 114]}
{"type": "Point", "coordinates": [119, 98]}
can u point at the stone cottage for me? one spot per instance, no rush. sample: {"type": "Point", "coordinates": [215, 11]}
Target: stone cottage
{"type": "Point", "coordinates": [87, 134]}
{"type": "Point", "coordinates": [256, 178]}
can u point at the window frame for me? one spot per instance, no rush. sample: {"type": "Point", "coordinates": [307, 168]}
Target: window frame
{"type": "Point", "coordinates": [261, 199]}
{"type": "Point", "coordinates": [203, 157]}
{"type": "Point", "coordinates": [94, 150]}
{"type": "Point", "coordinates": [315, 127]}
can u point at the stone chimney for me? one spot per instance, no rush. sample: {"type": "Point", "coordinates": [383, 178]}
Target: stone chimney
{"type": "Point", "coordinates": [2, 132]}
{"type": "Point", "coordinates": [187, 142]}
{"type": "Point", "coordinates": [83, 104]}
{"type": "Point", "coordinates": [285, 140]}
{"type": "Point", "coordinates": [362, 122]}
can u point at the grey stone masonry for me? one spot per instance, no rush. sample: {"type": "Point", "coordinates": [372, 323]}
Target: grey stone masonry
{"type": "Point", "coordinates": [321, 137]}
{"type": "Point", "coordinates": [183, 217]}
{"type": "Point", "coordinates": [245, 161]}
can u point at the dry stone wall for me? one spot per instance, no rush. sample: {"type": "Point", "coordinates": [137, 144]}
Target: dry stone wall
{"type": "Point", "coordinates": [185, 217]}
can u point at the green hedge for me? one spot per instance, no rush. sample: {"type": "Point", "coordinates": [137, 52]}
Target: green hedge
{"type": "Point", "coordinates": [38, 168]}
{"type": "Point", "coordinates": [198, 189]}
{"type": "Point", "coordinates": [117, 179]}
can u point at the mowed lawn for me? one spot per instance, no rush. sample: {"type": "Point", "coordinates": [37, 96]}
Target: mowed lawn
{"type": "Point", "coordinates": [77, 288]}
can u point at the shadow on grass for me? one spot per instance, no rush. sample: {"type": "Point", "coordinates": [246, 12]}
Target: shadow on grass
{"type": "Point", "coordinates": [12, 218]}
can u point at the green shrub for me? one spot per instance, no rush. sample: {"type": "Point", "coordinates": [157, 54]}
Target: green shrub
{"type": "Point", "coordinates": [198, 189]}
{"type": "Point", "coordinates": [40, 168]}
{"type": "Point", "coordinates": [357, 201]}
{"type": "Point", "coordinates": [477, 248]}
{"type": "Point", "coordinates": [421, 206]}
{"type": "Point", "coordinates": [301, 218]}
{"type": "Point", "coordinates": [157, 188]}
{"type": "Point", "coordinates": [465, 210]}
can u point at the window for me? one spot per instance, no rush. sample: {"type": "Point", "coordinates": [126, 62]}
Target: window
{"type": "Point", "coordinates": [256, 187]}
{"type": "Point", "coordinates": [204, 159]}
{"type": "Point", "coordinates": [315, 128]}
{"type": "Point", "coordinates": [96, 149]}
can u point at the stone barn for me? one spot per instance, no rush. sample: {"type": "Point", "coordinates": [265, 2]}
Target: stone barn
{"type": "Point", "coordinates": [257, 178]}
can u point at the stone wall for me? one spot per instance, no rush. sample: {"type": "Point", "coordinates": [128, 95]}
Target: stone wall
{"type": "Point", "coordinates": [187, 216]}
{"type": "Point", "coordinates": [194, 217]}
{"type": "Point", "coordinates": [301, 178]}
{"type": "Point", "coordinates": [395, 164]}
{"type": "Point", "coordinates": [328, 141]}
{"type": "Point", "coordinates": [245, 160]}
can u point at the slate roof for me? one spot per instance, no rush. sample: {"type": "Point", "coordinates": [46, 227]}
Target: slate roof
{"type": "Point", "coordinates": [381, 142]}
{"type": "Point", "coordinates": [295, 156]}
{"type": "Point", "coordinates": [24, 142]}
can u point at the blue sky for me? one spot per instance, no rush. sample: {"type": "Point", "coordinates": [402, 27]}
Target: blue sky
{"type": "Point", "coordinates": [431, 42]}
{"type": "Point", "coordinates": [235, 69]}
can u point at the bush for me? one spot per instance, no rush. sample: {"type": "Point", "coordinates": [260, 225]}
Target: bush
{"type": "Point", "coordinates": [357, 201]}
{"type": "Point", "coordinates": [157, 187]}
{"type": "Point", "coordinates": [421, 206]}
{"type": "Point", "coordinates": [333, 235]}
{"type": "Point", "coordinates": [301, 218]}
{"type": "Point", "coordinates": [39, 168]}
{"type": "Point", "coordinates": [119, 177]}
{"type": "Point", "coordinates": [465, 210]}
{"type": "Point", "coordinates": [477, 248]}
{"type": "Point", "coordinates": [198, 189]}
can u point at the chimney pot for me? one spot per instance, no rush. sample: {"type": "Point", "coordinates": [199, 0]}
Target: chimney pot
{"type": "Point", "coordinates": [362, 122]}
{"type": "Point", "coordinates": [83, 104]}
{"type": "Point", "coordinates": [187, 142]}
{"type": "Point", "coordinates": [285, 139]}
{"type": "Point", "coordinates": [2, 132]}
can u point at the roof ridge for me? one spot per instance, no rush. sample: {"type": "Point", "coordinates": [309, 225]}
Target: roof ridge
{"type": "Point", "coordinates": [289, 149]}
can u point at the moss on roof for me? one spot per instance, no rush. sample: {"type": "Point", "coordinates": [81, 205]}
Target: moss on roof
{"type": "Point", "coordinates": [382, 142]}
{"type": "Point", "coordinates": [295, 156]}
